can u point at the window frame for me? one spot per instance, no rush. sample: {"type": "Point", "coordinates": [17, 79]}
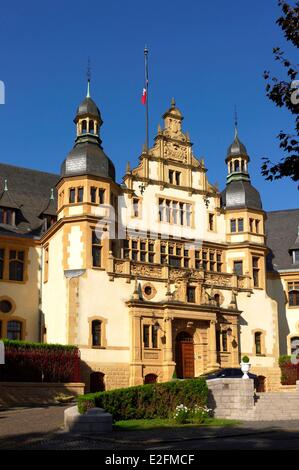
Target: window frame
{"type": "Point", "coordinates": [150, 333]}
{"type": "Point", "coordinates": [96, 244]}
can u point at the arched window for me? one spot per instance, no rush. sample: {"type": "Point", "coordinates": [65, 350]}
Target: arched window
{"type": "Point", "coordinates": [14, 329]}
{"type": "Point", "coordinates": [91, 127]}
{"type": "Point", "coordinates": [150, 379]}
{"type": "Point", "coordinates": [237, 165]}
{"type": "Point", "coordinates": [96, 327]}
{"type": "Point", "coordinates": [16, 265]}
{"type": "Point", "coordinates": [258, 342]}
{"type": "Point", "coordinates": [294, 344]}
{"type": "Point", "coordinates": [231, 167]}
{"type": "Point", "coordinates": [84, 126]}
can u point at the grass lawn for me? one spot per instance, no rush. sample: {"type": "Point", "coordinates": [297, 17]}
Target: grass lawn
{"type": "Point", "coordinates": [156, 423]}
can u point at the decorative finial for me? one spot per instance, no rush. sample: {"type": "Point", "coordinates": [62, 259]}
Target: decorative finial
{"type": "Point", "coordinates": [159, 129]}
{"type": "Point", "coordinates": [52, 194]}
{"type": "Point", "coordinates": [128, 168]}
{"type": "Point", "coordinates": [145, 50]}
{"type": "Point", "coordinates": [135, 295]}
{"type": "Point", "coordinates": [88, 75]}
{"type": "Point", "coordinates": [5, 185]}
{"type": "Point", "coordinates": [173, 103]}
{"type": "Point", "coordinates": [144, 148]}
{"type": "Point", "coordinates": [236, 122]}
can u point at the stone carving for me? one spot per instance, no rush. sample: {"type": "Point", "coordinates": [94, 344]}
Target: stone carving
{"type": "Point", "coordinates": [145, 270]}
{"type": "Point", "coordinates": [241, 282]}
{"type": "Point", "coordinates": [151, 355]}
{"type": "Point", "coordinates": [119, 266]}
{"type": "Point", "coordinates": [218, 279]}
{"type": "Point", "coordinates": [148, 291]}
{"type": "Point", "coordinates": [175, 151]}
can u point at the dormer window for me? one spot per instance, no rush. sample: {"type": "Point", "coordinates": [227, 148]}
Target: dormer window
{"type": "Point", "coordinates": [7, 216]}
{"type": "Point", "coordinates": [49, 220]}
{"type": "Point", "coordinates": [296, 256]}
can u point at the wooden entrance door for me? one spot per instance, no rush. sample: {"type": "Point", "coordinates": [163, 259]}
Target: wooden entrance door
{"type": "Point", "coordinates": [184, 356]}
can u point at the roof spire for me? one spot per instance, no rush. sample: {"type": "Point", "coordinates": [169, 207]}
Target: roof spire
{"type": "Point", "coordinates": [236, 122]}
{"type": "Point", "coordinates": [172, 102]}
{"type": "Point", "coordinates": [88, 75]}
{"type": "Point", "coordinates": [5, 185]}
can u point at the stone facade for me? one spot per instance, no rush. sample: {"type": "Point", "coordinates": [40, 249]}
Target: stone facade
{"type": "Point", "coordinates": [162, 275]}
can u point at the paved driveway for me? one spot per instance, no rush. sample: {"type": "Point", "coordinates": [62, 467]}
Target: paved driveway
{"type": "Point", "coordinates": [42, 428]}
{"type": "Point", "coordinates": [29, 424]}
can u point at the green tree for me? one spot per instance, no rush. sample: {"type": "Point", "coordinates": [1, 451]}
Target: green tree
{"type": "Point", "coordinates": [285, 93]}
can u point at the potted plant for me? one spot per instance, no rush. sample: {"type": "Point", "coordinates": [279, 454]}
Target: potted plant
{"type": "Point", "coordinates": [245, 367]}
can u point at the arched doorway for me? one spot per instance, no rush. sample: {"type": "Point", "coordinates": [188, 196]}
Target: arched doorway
{"type": "Point", "coordinates": [261, 385]}
{"type": "Point", "coordinates": [184, 355]}
{"type": "Point", "coordinates": [150, 379]}
{"type": "Point", "coordinates": [96, 383]}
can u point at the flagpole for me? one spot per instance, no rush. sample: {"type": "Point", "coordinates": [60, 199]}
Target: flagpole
{"type": "Point", "coordinates": [146, 103]}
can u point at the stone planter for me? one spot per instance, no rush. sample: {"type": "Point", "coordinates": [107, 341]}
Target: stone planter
{"type": "Point", "coordinates": [245, 368]}
{"type": "Point", "coordinates": [95, 420]}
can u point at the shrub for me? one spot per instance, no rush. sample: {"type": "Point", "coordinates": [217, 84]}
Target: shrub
{"type": "Point", "coordinates": [245, 359]}
{"type": "Point", "coordinates": [289, 371]}
{"type": "Point", "coordinates": [147, 401]}
{"type": "Point", "coordinates": [284, 359]}
{"type": "Point", "coordinates": [40, 362]}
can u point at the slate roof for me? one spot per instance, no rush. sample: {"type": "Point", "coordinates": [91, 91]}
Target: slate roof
{"type": "Point", "coordinates": [236, 148]}
{"type": "Point", "coordinates": [282, 232]}
{"type": "Point", "coordinates": [239, 194]}
{"type": "Point", "coordinates": [88, 107]}
{"type": "Point", "coordinates": [88, 158]}
{"type": "Point", "coordinates": [30, 190]}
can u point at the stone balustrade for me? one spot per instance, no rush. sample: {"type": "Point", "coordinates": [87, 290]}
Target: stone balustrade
{"type": "Point", "coordinates": [131, 269]}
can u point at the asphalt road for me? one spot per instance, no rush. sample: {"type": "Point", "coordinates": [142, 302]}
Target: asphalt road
{"type": "Point", "coordinates": [42, 428]}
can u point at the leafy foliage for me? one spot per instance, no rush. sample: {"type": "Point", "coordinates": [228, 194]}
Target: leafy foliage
{"type": "Point", "coordinates": [289, 371]}
{"type": "Point", "coordinates": [147, 401]}
{"type": "Point", "coordinates": [281, 93]}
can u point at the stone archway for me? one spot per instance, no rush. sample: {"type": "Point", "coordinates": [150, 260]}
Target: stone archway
{"type": "Point", "coordinates": [96, 382]}
{"type": "Point", "coordinates": [184, 355]}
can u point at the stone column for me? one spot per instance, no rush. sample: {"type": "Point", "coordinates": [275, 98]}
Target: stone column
{"type": "Point", "coordinates": [169, 363]}
{"type": "Point", "coordinates": [136, 360]}
{"type": "Point", "coordinates": [212, 347]}
{"type": "Point", "coordinates": [234, 346]}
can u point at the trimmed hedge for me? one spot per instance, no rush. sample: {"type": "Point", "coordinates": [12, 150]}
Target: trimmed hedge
{"type": "Point", "coordinates": [40, 362]}
{"type": "Point", "coordinates": [284, 359]}
{"type": "Point", "coordinates": [289, 371]}
{"type": "Point", "coordinates": [147, 401]}
{"type": "Point", "coordinates": [16, 344]}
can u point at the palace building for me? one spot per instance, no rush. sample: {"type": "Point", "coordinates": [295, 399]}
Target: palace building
{"type": "Point", "coordinates": [160, 276]}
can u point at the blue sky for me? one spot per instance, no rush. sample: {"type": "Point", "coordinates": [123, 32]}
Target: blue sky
{"type": "Point", "coordinates": [208, 55]}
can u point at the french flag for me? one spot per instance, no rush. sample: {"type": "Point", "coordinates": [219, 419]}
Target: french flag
{"type": "Point", "coordinates": [143, 97]}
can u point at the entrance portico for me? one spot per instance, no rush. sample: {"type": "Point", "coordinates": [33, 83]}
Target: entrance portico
{"type": "Point", "coordinates": [174, 339]}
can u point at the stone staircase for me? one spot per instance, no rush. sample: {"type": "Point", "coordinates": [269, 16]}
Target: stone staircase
{"type": "Point", "coordinates": [272, 406]}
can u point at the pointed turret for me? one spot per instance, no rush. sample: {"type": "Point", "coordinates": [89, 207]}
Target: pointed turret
{"type": "Point", "coordinates": [87, 157]}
